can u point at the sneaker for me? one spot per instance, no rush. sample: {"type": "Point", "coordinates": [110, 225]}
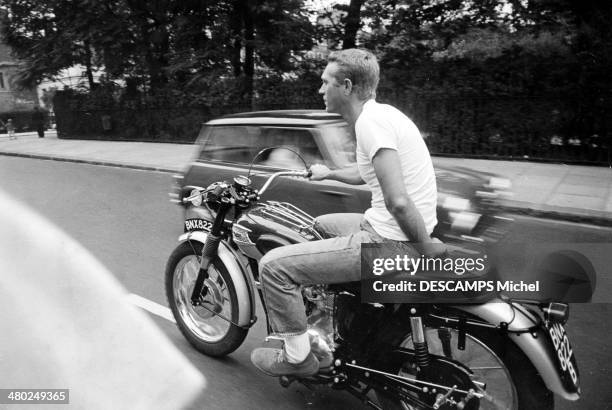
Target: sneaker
{"type": "Point", "coordinates": [273, 362]}
{"type": "Point", "coordinates": [326, 360]}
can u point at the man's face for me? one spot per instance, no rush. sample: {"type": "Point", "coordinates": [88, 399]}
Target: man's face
{"type": "Point", "coordinates": [331, 89]}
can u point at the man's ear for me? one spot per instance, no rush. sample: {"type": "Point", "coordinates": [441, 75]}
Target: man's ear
{"type": "Point", "coordinates": [348, 86]}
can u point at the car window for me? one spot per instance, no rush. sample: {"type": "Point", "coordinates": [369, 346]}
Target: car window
{"type": "Point", "coordinates": [298, 141]}
{"type": "Point", "coordinates": [242, 143]}
{"type": "Point", "coordinates": [233, 144]}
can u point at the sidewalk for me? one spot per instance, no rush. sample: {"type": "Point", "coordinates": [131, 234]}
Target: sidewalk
{"type": "Point", "coordinates": [572, 192]}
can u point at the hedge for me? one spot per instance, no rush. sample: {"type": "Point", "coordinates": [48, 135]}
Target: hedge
{"type": "Point", "coordinates": [516, 127]}
{"type": "Point", "coordinates": [21, 119]}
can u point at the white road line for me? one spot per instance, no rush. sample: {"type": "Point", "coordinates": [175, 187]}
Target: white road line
{"type": "Point", "coordinates": [151, 307]}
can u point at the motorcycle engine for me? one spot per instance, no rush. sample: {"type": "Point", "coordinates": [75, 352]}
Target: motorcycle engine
{"type": "Point", "coordinates": [334, 317]}
{"type": "Point", "coordinates": [320, 313]}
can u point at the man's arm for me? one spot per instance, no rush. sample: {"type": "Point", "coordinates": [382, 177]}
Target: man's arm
{"type": "Point", "coordinates": [399, 204]}
{"type": "Point", "coordinates": [349, 175]}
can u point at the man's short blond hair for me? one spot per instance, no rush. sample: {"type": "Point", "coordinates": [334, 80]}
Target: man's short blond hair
{"type": "Point", "coordinates": [361, 67]}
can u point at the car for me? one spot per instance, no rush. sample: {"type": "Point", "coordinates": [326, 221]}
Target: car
{"type": "Point", "coordinates": [257, 144]}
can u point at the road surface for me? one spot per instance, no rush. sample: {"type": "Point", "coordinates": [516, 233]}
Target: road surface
{"type": "Point", "coordinates": [124, 218]}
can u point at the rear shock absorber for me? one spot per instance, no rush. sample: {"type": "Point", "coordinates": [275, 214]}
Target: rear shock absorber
{"type": "Point", "coordinates": [419, 341]}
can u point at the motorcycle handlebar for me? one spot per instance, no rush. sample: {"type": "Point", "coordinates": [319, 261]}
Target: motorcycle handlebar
{"type": "Point", "coordinates": [194, 196]}
{"type": "Point", "coordinates": [218, 189]}
{"type": "Point", "coordinates": [215, 190]}
{"type": "Point", "coordinates": [303, 174]}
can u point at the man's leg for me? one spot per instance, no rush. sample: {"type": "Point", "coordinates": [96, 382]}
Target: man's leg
{"type": "Point", "coordinates": [341, 224]}
{"type": "Point", "coordinates": [283, 271]}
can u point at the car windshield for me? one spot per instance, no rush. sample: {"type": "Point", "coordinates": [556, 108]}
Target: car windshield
{"type": "Point", "coordinates": [242, 143]}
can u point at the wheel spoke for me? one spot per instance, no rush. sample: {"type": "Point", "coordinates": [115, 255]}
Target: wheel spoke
{"type": "Point", "coordinates": [479, 358]}
{"type": "Point", "coordinates": [202, 321]}
{"type": "Point", "coordinates": [487, 368]}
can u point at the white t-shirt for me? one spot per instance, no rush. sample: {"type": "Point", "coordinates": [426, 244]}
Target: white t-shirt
{"type": "Point", "coordinates": [383, 126]}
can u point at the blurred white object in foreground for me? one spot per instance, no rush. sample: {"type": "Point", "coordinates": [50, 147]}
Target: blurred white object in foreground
{"type": "Point", "coordinates": [66, 324]}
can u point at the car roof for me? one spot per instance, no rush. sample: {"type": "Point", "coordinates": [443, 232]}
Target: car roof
{"type": "Point", "coordinates": [308, 118]}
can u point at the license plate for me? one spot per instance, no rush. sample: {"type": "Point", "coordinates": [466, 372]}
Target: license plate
{"type": "Point", "coordinates": [565, 355]}
{"type": "Point", "coordinates": [197, 224]}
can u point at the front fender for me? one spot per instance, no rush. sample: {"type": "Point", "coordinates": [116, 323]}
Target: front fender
{"type": "Point", "coordinates": [240, 275]}
{"type": "Point", "coordinates": [536, 345]}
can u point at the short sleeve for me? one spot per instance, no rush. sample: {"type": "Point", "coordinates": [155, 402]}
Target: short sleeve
{"type": "Point", "coordinates": [374, 134]}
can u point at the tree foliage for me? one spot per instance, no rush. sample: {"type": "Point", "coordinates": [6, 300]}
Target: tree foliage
{"type": "Point", "coordinates": [157, 42]}
{"type": "Point", "coordinates": [485, 64]}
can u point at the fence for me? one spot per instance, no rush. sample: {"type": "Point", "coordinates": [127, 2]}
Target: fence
{"type": "Point", "coordinates": [533, 128]}
{"type": "Point", "coordinates": [179, 125]}
{"type": "Point", "coordinates": [517, 128]}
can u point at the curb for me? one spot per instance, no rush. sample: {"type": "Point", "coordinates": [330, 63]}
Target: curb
{"type": "Point", "coordinates": [558, 161]}
{"type": "Point", "coordinates": [527, 209]}
{"type": "Point", "coordinates": [90, 162]}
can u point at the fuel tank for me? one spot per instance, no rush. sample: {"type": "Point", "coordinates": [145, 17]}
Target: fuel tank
{"type": "Point", "coordinates": [271, 224]}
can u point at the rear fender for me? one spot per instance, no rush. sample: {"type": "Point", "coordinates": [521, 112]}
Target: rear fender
{"type": "Point", "coordinates": [536, 345]}
{"type": "Point", "coordinates": [240, 274]}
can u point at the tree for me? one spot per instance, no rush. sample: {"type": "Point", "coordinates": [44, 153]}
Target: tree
{"type": "Point", "coordinates": [41, 39]}
{"type": "Point", "coordinates": [340, 24]}
{"type": "Point", "coordinates": [161, 42]}
{"type": "Point", "coordinates": [352, 24]}
{"type": "Point", "coordinates": [271, 32]}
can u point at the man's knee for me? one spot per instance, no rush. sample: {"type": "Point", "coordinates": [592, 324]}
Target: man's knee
{"type": "Point", "coordinates": [326, 223]}
{"type": "Point", "coordinates": [319, 222]}
{"type": "Point", "coordinates": [266, 261]}
{"type": "Point", "coordinates": [270, 266]}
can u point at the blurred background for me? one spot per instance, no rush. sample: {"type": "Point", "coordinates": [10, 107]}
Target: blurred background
{"type": "Point", "coordinates": [522, 79]}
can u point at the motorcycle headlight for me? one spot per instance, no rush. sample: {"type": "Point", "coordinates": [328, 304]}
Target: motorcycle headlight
{"type": "Point", "coordinates": [196, 197]}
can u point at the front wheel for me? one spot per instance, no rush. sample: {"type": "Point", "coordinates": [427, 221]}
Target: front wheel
{"type": "Point", "coordinates": [204, 326]}
{"type": "Point", "coordinates": [511, 382]}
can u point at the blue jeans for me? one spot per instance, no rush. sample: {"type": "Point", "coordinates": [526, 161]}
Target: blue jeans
{"type": "Point", "coordinates": [337, 260]}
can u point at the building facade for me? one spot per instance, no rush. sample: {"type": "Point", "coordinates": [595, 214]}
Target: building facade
{"type": "Point", "coordinates": [11, 98]}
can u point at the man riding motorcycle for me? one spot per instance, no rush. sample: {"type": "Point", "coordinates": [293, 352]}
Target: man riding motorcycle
{"type": "Point", "coordinates": [393, 160]}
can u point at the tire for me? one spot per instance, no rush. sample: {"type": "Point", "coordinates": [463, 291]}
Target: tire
{"type": "Point", "coordinates": [207, 332]}
{"type": "Point", "coordinates": [516, 385]}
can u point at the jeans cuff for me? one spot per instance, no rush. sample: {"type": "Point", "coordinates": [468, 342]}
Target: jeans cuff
{"type": "Point", "coordinates": [287, 334]}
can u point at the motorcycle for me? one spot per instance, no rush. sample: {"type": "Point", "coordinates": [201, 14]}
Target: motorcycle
{"type": "Point", "coordinates": [502, 354]}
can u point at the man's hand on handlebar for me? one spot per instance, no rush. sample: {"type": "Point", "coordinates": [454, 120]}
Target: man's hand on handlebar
{"type": "Point", "coordinates": [319, 172]}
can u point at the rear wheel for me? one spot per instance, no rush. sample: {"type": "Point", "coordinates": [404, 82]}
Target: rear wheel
{"type": "Point", "coordinates": [203, 326]}
{"type": "Point", "coordinates": [512, 383]}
